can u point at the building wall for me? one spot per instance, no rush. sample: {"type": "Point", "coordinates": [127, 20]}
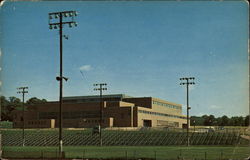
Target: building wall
{"type": "Point", "coordinates": [161, 113]}
{"type": "Point", "coordinates": [131, 112]}
{"type": "Point", "coordinates": [165, 106]}
{"type": "Point", "coordinates": [140, 101]}
{"type": "Point", "coordinates": [114, 114]}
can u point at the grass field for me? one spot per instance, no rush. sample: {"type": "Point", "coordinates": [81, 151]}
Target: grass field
{"type": "Point", "coordinates": [132, 152]}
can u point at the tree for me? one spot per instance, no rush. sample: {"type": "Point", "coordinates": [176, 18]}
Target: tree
{"type": "Point", "coordinates": [223, 121]}
{"type": "Point", "coordinates": [4, 109]}
{"type": "Point", "coordinates": [13, 103]}
{"type": "Point", "coordinates": [35, 100]}
{"type": "Point", "coordinates": [8, 105]}
{"type": "Point", "coordinates": [209, 120]}
{"type": "Point", "coordinates": [236, 121]}
{"type": "Point", "coordinates": [198, 121]}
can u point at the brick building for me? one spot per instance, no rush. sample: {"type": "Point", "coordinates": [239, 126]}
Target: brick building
{"type": "Point", "coordinates": [119, 110]}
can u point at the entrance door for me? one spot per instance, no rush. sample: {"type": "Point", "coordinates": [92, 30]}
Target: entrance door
{"type": "Point", "coordinates": [147, 123]}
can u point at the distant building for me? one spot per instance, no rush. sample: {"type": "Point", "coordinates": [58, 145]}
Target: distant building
{"type": "Point", "coordinates": [119, 110]}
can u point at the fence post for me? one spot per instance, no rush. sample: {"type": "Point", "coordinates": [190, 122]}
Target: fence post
{"type": "Point", "coordinates": [83, 154]}
{"type": "Point", "coordinates": [155, 155]}
{"type": "Point", "coordinates": [126, 154]}
{"type": "Point", "coordinates": [42, 154]}
{"type": "Point", "coordinates": [134, 153]}
{"type": "Point", "coordinates": [205, 155]}
{"type": "Point", "coordinates": [221, 155]}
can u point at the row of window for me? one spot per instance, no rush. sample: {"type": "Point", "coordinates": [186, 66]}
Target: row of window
{"type": "Point", "coordinates": [167, 123]}
{"type": "Point", "coordinates": [160, 114]}
{"type": "Point", "coordinates": [90, 100]}
{"type": "Point", "coordinates": [69, 115]}
{"type": "Point", "coordinates": [166, 105]}
{"type": "Point", "coordinates": [37, 122]}
{"type": "Point", "coordinates": [93, 121]}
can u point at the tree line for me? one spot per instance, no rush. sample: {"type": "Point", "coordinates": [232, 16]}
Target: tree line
{"type": "Point", "coordinates": [13, 103]}
{"type": "Point", "coordinates": [211, 120]}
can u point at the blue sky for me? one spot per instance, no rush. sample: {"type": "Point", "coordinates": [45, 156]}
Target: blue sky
{"type": "Point", "coordinates": [137, 48]}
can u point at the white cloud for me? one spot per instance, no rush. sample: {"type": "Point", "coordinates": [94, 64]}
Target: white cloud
{"type": "Point", "coordinates": [85, 68]}
{"type": "Point", "coordinates": [0, 68]}
{"type": "Point", "coordinates": [215, 107]}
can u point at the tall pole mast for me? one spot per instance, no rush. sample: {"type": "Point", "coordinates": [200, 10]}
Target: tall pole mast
{"type": "Point", "coordinates": [101, 107]}
{"type": "Point", "coordinates": [22, 90]}
{"type": "Point", "coordinates": [187, 83]}
{"type": "Point", "coordinates": [69, 16]}
{"type": "Point", "coordinates": [61, 86]}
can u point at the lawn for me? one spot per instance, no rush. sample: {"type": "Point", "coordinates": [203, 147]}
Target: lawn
{"type": "Point", "coordinates": [132, 152]}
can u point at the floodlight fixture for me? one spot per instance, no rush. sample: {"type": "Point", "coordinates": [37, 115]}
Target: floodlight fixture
{"type": "Point", "coordinates": [75, 13]}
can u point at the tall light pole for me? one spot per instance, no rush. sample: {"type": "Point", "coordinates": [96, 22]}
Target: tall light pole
{"type": "Point", "coordinates": [22, 90]}
{"type": "Point", "coordinates": [101, 107]}
{"type": "Point", "coordinates": [189, 81]}
{"type": "Point", "coordinates": [62, 19]}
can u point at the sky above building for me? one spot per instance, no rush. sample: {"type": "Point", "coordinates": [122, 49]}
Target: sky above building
{"type": "Point", "coordinates": [138, 48]}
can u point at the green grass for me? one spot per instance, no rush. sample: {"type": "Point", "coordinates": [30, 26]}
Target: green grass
{"type": "Point", "coordinates": [6, 124]}
{"type": "Point", "coordinates": [131, 152]}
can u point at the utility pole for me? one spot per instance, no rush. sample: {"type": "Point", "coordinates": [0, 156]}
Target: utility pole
{"type": "Point", "coordinates": [22, 90]}
{"type": "Point", "coordinates": [59, 24]}
{"type": "Point", "coordinates": [187, 83]}
{"type": "Point", "coordinates": [101, 107]}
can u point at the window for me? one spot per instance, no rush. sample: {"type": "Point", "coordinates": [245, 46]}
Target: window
{"type": "Point", "coordinates": [161, 114]}
{"type": "Point", "coordinates": [166, 105]}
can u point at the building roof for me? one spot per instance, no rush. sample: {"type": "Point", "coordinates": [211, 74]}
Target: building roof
{"type": "Point", "coordinates": [109, 97]}
{"type": "Point", "coordinates": [97, 96]}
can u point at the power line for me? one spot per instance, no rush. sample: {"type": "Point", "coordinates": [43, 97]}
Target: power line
{"type": "Point", "coordinates": [82, 75]}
